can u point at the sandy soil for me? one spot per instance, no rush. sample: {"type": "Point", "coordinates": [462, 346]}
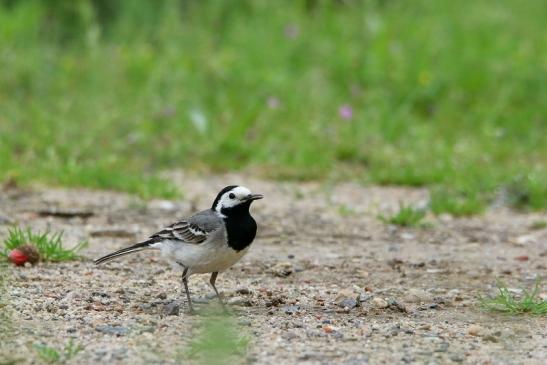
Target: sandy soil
{"type": "Point", "coordinates": [325, 282]}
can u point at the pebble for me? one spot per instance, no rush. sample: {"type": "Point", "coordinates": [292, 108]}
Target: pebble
{"type": "Point", "coordinates": [399, 306]}
{"type": "Point", "coordinates": [475, 330]}
{"type": "Point", "coordinates": [379, 303]}
{"type": "Point", "coordinates": [172, 309]}
{"type": "Point", "coordinates": [244, 291]}
{"type": "Point", "coordinates": [239, 301]}
{"type": "Point", "coordinates": [407, 236]}
{"type": "Point", "coordinates": [524, 240]}
{"type": "Point", "coordinates": [112, 330]}
{"type": "Point", "coordinates": [291, 309]}
{"type": "Point", "coordinates": [364, 297]}
{"type": "Point", "coordinates": [166, 205]}
{"type": "Point", "coordinates": [349, 303]}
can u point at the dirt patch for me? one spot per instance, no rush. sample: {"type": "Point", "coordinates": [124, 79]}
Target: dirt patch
{"type": "Point", "coordinates": [325, 282]}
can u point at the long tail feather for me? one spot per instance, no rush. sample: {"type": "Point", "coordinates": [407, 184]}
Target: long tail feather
{"type": "Point", "coordinates": [125, 251]}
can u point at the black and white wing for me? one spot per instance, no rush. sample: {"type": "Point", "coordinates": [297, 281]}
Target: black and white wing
{"type": "Point", "coordinates": [195, 229]}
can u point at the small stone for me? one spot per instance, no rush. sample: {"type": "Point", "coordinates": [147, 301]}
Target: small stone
{"type": "Point", "coordinates": [172, 309]}
{"type": "Point", "coordinates": [239, 301]}
{"type": "Point", "coordinates": [349, 303]}
{"type": "Point", "coordinates": [166, 205]}
{"type": "Point", "coordinates": [162, 296]}
{"type": "Point", "coordinates": [393, 304]}
{"type": "Point", "coordinates": [244, 291]}
{"type": "Point", "coordinates": [475, 330]}
{"type": "Point", "coordinates": [522, 258]}
{"type": "Point", "coordinates": [525, 239]}
{"type": "Point", "coordinates": [407, 236]}
{"type": "Point", "coordinates": [112, 330]}
{"type": "Point", "coordinates": [379, 303]}
{"type": "Point", "coordinates": [364, 297]}
{"type": "Point", "coordinates": [291, 309]}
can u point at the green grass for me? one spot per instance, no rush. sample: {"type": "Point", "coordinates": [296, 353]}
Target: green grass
{"type": "Point", "coordinates": [538, 225]}
{"type": "Point", "coordinates": [49, 244]}
{"type": "Point", "coordinates": [505, 302]}
{"type": "Point", "coordinates": [218, 341]}
{"type": "Point", "coordinates": [108, 94]}
{"type": "Point", "coordinates": [406, 216]}
{"type": "Point", "coordinates": [52, 355]}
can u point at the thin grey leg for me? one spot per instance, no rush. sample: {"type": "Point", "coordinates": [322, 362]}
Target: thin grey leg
{"type": "Point", "coordinates": [212, 281]}
{"type": "Point", "coordinates": [185, 283]}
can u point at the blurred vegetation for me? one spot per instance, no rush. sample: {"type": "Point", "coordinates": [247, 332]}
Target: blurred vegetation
{"type": "Point", "coordinates": [406, 216]}
{"type": "Point", "coordinates": [217, 340]}
{"type": "Point", "coordinates": [447, 94]}
{"type": "Point", "coordinates": [51, 355]}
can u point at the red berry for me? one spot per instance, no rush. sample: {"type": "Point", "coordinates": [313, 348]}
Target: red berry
{"type": "Point", "coordinates": [17, 257]}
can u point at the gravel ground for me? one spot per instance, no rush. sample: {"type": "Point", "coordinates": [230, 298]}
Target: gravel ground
{"type": "Point", "coordinates": [325, 281]}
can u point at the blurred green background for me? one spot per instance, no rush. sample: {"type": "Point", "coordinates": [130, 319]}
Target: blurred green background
{"type": "Point", "coordinates": [446, 94]}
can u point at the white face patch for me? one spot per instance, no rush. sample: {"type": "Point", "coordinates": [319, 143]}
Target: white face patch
{"type": "Point", "coordinates": [232, 198]}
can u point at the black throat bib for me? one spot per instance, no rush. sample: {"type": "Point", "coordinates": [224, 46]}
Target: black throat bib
{"type": "Point", "coordinates": [240, 226]}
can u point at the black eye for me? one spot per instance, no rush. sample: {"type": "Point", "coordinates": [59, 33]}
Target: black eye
{"type": "Point", "coordinates": [232, 196]}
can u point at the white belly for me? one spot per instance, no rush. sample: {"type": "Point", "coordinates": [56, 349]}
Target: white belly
{"type": "Point", "coordinates": [201, 258]}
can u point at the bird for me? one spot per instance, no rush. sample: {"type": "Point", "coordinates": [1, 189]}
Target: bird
{"type": "Point", "coordinates": [210, 241]}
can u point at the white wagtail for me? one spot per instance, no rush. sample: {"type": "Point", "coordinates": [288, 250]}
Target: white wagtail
{"type": "Point", "coordinates": [207, 242]}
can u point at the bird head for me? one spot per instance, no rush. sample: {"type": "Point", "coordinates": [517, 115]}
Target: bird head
{"type": "Point", "coordinates": [234, 196]}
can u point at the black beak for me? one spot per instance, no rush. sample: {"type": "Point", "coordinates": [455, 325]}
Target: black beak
{"type": "Point", "coordinates": [253, 197]}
